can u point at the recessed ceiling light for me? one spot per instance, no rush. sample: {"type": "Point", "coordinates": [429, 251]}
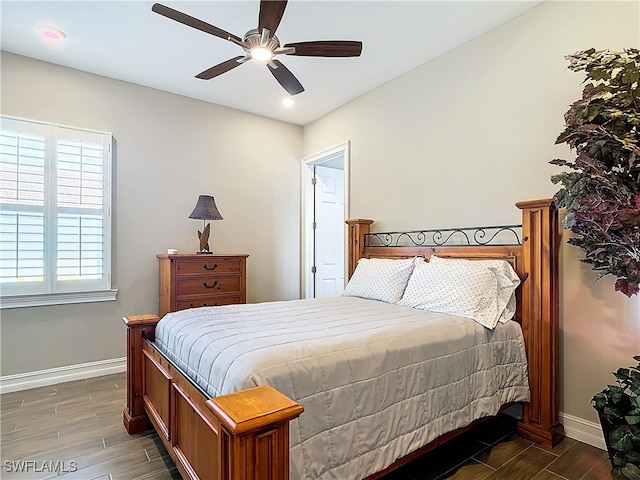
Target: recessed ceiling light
{"type": "Point", "coordinates": [52, 33]}
{"type": "Point", "coordinates": [288, 102]}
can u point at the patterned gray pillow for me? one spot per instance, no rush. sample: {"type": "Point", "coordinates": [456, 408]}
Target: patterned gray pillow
{"type": "Point", "coordinates": [456, 288]}
{"type": "Point", "coordinates": [507, 277]}
{"type": "Point", "coordinates": [381, 279]}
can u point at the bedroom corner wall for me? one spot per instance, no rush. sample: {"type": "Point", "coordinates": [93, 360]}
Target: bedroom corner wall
{"type": "Point", "coordinates": [462, 138]}
{"type": "Point", "coordinates": [169, 149]}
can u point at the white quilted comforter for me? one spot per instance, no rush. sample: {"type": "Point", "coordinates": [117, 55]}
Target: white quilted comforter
{"type": "Point", "coordinates": [377, 380]}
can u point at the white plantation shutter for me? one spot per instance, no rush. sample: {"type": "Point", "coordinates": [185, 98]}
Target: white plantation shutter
{"type": "Point", "coordinates": [22, 185]}
{"type": "Point", "coordinates": [55, 199]}
{"type": "Point", "coordinates": [81, 214]}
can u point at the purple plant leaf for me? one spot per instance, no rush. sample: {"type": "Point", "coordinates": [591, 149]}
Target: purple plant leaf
{"type": "Point", "coordinates": [627, 287]}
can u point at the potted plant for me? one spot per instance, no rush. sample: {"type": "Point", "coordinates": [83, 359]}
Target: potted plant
{"type": "Point", "coordinates": [619, 409]}
{"type": "Point", "coordinates": [601, 195]}
{"type": "Point", "coordinates": [601, 190]}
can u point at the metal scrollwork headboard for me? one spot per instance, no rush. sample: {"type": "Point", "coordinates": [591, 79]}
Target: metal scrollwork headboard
{"type": "Point", "coordinates": [466, 236]}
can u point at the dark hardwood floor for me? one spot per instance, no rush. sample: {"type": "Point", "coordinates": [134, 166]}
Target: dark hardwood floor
{"type": "Point", "coordinates": [74, 431]}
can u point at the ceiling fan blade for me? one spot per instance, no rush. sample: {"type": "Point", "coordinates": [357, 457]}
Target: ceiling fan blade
{"type": "Point", "coordinates": [219, 69]}
{"type": "Point", "coordinates": [192, 22]}
{"type": "Point", "coordinates": [327, 48]}
{"type": "Point", "coordinates": [285, 78]}
{"type": "Point", "coordinates": [271, 12]}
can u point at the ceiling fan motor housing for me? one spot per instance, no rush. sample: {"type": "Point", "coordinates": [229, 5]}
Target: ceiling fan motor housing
{"type": "Point", "coordinates": [253, 39]}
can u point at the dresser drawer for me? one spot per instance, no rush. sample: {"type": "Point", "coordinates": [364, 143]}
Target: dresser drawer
{"type": "Point", "coordinates": [208, 302]}
{"type": "Point", "coordinates": [207, 286]}
{"type": "Point", "coordinates": [207, 266]}
{"type": "Point", "coordinates": [191, 280]}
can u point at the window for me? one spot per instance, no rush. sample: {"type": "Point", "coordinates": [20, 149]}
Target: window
{"type": "Point", "coordinates": [55, 214]}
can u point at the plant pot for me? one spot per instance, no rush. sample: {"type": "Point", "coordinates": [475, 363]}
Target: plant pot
{"type": "Point", "coordinates": [607, 427]}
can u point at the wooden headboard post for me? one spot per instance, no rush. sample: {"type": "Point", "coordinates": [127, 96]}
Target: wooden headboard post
{"type": "Point", "coordinates": [357, 229]}
{"type": "Point", "coordinates": [540, 321]}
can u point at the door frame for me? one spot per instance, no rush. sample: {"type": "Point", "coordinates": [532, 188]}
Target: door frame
{"type": "Point", "coordinates": [306, 201]}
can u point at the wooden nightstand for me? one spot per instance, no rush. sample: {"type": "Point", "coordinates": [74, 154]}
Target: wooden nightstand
{"type": "Point", "coordinates": [188, 281]}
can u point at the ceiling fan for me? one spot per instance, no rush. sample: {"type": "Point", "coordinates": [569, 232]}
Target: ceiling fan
{"type": "Point", "coordinates": [262, 44]}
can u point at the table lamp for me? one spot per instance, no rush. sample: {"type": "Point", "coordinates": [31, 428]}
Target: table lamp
{"type": "Point", "coordinates": [204, 210]}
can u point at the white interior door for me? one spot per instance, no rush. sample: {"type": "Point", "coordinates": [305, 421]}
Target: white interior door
{"type": "Point", "coordinates": [325, 199]}
{"type": "Point", "coordinates": [329, 231]}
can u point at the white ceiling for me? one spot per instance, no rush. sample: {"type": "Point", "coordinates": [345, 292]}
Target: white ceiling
{"type": "Point", "coordinates": [125, 40]}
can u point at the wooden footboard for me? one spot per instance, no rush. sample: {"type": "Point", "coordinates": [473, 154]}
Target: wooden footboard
{"type": "Point", "coordinates": [241, 436]}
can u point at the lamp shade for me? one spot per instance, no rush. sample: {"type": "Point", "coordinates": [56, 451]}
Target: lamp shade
{"type": "Point", "coordinates": [206, 209]}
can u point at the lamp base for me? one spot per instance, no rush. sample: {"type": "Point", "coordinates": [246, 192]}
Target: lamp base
{"type": "Point", "coordinates": [204, 253]}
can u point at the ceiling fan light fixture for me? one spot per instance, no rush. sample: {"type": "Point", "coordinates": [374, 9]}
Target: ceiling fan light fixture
{"type": "Point", "coordinates": [261, 53]}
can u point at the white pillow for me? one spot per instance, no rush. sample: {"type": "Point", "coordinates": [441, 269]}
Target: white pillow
{"type": "Point", "coordinates": [456, 289]}
{"type": "Point", "coordinates": [508, 281]}
{"type": "Point", "coordinates": [381, 279]}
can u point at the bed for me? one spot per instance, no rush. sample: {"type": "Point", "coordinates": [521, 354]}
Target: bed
{"type": "Point", "coordinates": [224, 423]}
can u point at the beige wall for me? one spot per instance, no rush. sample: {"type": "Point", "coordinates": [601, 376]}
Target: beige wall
{"type": "Point", "coordinates": [460, 139]}
{"type": "Point", "coordinates": [169, 150]}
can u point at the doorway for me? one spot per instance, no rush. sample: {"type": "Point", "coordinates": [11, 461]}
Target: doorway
{"type": "Point", "coordinates": [325, 180]}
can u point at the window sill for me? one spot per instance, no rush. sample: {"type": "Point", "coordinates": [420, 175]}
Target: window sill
{"type": "Point", "coordinates": [43, 299]}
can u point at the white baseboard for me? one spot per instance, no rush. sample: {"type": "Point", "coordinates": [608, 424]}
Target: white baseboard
{"type": "Point", "coordinates": [583, 430]}
{"type": "Point", "coordinates": [52, 376]}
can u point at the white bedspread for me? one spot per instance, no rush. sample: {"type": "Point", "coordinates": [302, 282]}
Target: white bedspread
{"type": "Point", "coordinates": [377, 380]}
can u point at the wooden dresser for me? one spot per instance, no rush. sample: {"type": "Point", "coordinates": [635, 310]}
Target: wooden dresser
{"type": "Point", "coordinates": [191, 280]}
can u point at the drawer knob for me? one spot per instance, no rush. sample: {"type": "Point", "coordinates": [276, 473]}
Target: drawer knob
{"type": "Point", "coordinates": [204, 305]}
{"type": "Point", "coordinates": [206, 285]}
{"type": "Point", "coordinates": [207, 267]}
